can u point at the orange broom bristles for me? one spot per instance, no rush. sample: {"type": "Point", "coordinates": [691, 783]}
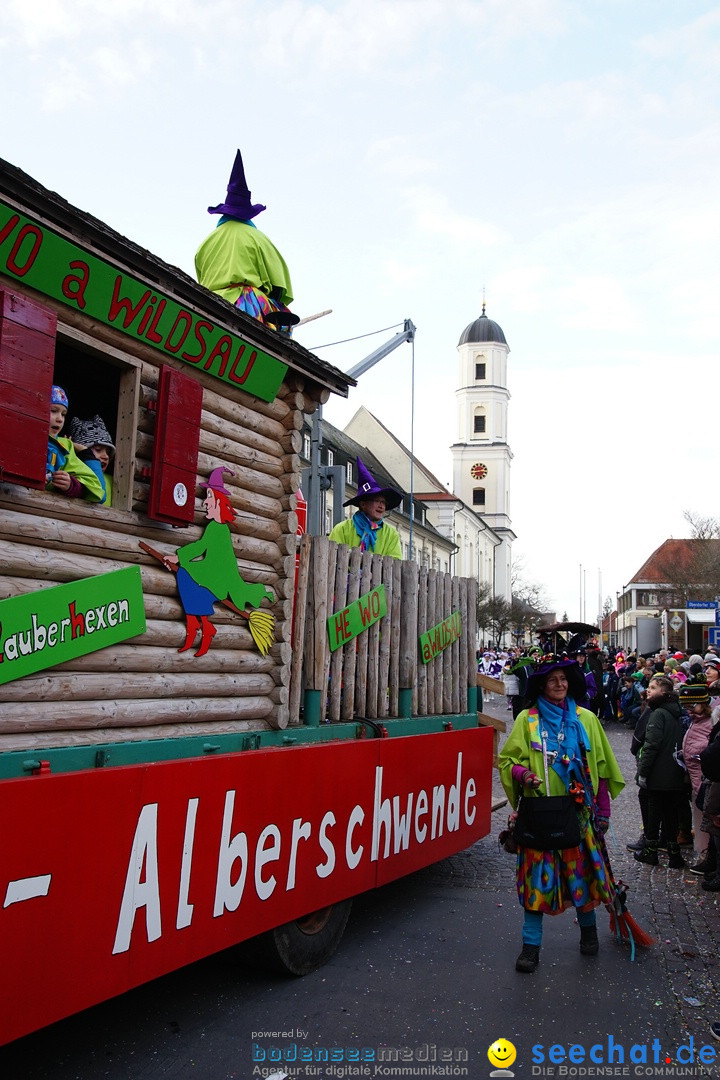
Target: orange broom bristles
{"type": "Point", "coordinates": [627, 927]}
{"type": "Point", "coordinates": [641, 936]}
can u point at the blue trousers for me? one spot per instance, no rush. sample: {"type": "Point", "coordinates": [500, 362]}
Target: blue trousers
{"type": "Point", "coordinates": [533, 925]}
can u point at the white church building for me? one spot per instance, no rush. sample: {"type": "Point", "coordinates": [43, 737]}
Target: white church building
{"type": "Point", "coordinates": [475, 516]}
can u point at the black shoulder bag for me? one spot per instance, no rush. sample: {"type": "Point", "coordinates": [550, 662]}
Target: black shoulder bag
{"type": "Point", "coordinates": [547, 822]}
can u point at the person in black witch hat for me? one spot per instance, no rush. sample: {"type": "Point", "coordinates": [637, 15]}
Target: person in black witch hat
{"type": "Point", "coordinates": [367, 528]}
{"type": "Point", "coordinates": [240, 263]}
{"type": "Point", "coordinates": [557, 747]}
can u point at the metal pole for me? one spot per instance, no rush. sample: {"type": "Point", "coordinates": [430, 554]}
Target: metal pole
{"type": "Point", "coordinates": [412, 436]}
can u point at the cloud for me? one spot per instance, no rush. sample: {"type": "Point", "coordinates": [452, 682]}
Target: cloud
{"type": "Point", "coordinates": [433, 215]}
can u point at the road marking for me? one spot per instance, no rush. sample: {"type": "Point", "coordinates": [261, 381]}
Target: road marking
{"type": "Point", "coordinates": [27, 889]}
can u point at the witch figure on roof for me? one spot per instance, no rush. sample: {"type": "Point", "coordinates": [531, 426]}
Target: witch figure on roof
{"type": "Point", "coordinates": [240, 263]}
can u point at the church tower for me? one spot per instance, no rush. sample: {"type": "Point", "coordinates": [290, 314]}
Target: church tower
{"type": "Point", "coordinates": [481, 455]}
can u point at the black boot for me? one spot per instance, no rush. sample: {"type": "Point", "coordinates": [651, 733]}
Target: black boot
{"type": "Point", "coordinates": [589, 944]}
{"type": "Point", "coordinates": [712, 884]}
{"type": "Point", "coordinates": [638, 845]}
{"type": "Point", "coordinates": [528, 959]}
{"type": "Point", "coordinates": [701, 866]}
{"type": "Point", "coordinates": [649, 853]}
{"type": "Point", "coordinates": [675, 860]}
{"type": "Point", "coordinates": [711, 856]}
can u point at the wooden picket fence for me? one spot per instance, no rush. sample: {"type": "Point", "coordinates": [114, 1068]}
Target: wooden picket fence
{"type": "Point", "coordinates": [364, 677]}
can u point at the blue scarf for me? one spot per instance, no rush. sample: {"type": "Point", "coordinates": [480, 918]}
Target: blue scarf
{"type": "Point", "coordinates": [366, 530]}
{"type": "Point", "coordinates": [553, 720]}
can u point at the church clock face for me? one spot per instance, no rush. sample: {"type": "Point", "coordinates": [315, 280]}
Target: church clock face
{"type": "Point", "coordinates": [478, 471]}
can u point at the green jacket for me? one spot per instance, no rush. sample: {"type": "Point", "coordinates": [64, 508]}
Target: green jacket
{"type": "Point", "coordinates": [387, 541]}
{"type": "Point", "coordinates": [518, 751]}
{"type": "Point", "coordinates": [235, 254]}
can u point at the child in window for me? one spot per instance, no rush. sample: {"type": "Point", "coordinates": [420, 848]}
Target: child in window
{"type": "Point", "coordinates": [92, 435]}
{"type": "Point", "coordinates": [69, 473]}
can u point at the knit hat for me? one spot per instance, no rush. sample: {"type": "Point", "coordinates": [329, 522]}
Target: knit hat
{"type": "Point", "coordinates": [694, 694]}
{"type": "Point", "coordinates": [238, 202]}
{"type": "Point", "coordinates": [368, 488]}
{"type": "Point", "coordinates": [91, 433]}
{"type": "Point", "coordinates": [58, 397]}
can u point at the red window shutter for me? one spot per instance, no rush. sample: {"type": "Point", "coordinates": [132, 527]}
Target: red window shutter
{"type": "Point", "coordinates": [27, 359]}
{"type": "Point", "coordinates": [173, 477]}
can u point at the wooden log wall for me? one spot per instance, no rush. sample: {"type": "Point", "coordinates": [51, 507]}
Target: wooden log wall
{"type": "Point", "coordinates": [363, 678]}
{"type": "Point", "coordinates": [144, 688]}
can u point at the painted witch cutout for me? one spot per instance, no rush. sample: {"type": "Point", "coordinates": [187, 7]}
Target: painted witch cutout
{"type": "Point", "coordinates": [207, 573]}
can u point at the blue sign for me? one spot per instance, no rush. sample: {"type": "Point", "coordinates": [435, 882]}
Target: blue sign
{"type": "Point", "coordinates": [714, 635]}
{"type": "Point", "coordinates": [702, 604]}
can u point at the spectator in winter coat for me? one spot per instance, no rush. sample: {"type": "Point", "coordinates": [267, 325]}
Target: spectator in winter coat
{"type": "Point", "coordinates": [696, 699]}
{"type": "Point", "coordinates": [659, 773]}
{"type": "Point", "coordinates": [711, 810]}
{"type": "Point", "coordinates": [630, 701]}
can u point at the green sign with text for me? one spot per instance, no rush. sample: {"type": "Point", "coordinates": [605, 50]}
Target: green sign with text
{"type": "Point", "coordinates": [445, 633]}
{"type": "Point", "coordinates": [345, 625]}
{"type": "Point", "coordinates": [46, 627]}
{"type": "Point", "coordinates": [46, 261]}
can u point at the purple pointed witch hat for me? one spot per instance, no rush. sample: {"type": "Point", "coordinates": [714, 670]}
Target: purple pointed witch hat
{"type": "Point", "coordinates": [215, 479]}
{"type": "Point", "coordinates": [238, 202]}
{"type": "Point", "coordinates": [368, 487]}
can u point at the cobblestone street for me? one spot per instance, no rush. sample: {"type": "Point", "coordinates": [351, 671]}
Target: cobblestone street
{"type": "Point", "coordinates": [669, 904]}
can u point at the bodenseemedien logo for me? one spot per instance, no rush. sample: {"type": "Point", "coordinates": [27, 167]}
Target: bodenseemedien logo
{"type": "Point", "coordinates": [501, 1054]}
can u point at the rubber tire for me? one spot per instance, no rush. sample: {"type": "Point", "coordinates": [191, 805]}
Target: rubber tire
{"type": "Point", "coordinates": [301, 946]}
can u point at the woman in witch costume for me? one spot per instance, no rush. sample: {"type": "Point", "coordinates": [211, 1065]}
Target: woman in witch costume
{"type": "Point", "coordinates": [555, 748]}
{"type": "Point", "coordinates": [207, 569]}
{"type": "Point", "coordinates": [367, 528]}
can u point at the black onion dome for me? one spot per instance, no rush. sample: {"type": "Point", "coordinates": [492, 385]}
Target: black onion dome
{"type": "Point", "coordinates": [482, 330]}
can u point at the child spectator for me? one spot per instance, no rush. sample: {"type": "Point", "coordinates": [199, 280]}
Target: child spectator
{"type": "Point", "coordinates": [630, 701]}
{"type": "Point", "coordinates": [92, 435]}
{"type": "Point", "coordinates": [72, 474]}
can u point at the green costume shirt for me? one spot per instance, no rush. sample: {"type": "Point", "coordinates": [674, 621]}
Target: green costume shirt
{"type": "Point", "coordinates": [518, 751]}
{"type": "Point", "coordinates": [211, 562]}
{"type": "Point", "coordinates": [387, 540]}
{"type": "Point", "coordinates": [74, 466]}
{"type": "Point", "coordinates": [235, 254]}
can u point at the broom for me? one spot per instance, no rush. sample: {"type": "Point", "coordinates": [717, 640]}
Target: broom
{"type": "Point", "coordinates": [622, 924]}
{"type": "Point", "coordinates": [261, 624]}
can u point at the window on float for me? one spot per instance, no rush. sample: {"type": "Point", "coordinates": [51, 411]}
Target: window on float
{"type": "Point", "coordinates": [106, 384]}
{"type": "Point", "coordinates": [36, 351]}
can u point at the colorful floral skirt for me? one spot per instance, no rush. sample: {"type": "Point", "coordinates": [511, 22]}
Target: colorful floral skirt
{"type": "Point", "coordinates": [551, 881]}
{"type": "Point", "coordinates": [258, 306]}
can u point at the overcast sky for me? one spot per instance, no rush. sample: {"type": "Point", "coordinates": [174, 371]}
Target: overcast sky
{"type": "Point", "coordinates": [561, 154]}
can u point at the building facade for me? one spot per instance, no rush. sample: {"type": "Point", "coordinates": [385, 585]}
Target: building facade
{"type": "Point", "coordinates": [481, 453]}
{"type": "Point", "coordinates": [671, 602]}
{"type": "Point", "coordinates": [474, 543]}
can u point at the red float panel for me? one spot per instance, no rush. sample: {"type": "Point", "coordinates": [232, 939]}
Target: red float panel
{"type": "Point", "coordinates": [115, 876]}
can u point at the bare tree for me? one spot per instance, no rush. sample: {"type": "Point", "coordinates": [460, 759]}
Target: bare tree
{"type": "Point", "coordinates": [702, 526]}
